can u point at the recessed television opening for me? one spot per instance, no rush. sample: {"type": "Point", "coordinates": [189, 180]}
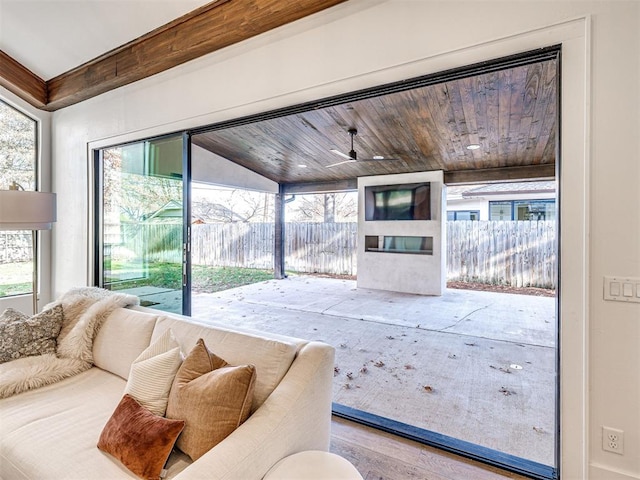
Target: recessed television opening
{"type": "Point", "coordinates": [408, 201]}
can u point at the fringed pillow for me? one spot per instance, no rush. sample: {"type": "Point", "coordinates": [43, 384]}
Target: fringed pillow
{"type": "Point", "coordinates": [24, 336]}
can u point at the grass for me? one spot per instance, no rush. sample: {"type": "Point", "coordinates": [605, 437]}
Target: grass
{"type": "Point", "coordinates": [204, 279]}
{"type": "Point", "coordinates": [15, 278]}
{"type": "Point", "coordinates": [215, 279]}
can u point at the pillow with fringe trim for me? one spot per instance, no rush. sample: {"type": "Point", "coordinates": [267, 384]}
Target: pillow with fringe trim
{"type": "Point", "coordinates": [25, 336]}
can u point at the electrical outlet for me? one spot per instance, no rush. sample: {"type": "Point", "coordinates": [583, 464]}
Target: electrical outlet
{"type": "Point", "coordinates": [613, 440]}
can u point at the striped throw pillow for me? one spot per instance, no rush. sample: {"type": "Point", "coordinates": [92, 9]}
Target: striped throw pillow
{"type": "Point", "coordinates": [152, 373]}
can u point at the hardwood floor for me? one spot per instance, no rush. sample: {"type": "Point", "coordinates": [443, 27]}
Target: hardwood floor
{"type": "Point", "coordinates": [381, 456]}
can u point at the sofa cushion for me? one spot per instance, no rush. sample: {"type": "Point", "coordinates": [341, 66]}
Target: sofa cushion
{"type": "Point", "coordinates": [271, 358]}
{"type": "Point", "coordinates": [152, 373]}
{"type": "Point", "coordinates": [213, 398]}
{"type": "Point", "coordinates": [124, 335]}
{"type": "Point", "coordinates": [24, 336]}
{"type": "Point", "coordinates": [42, 430]}
{"type": "Point", "coordinates": [139, 439]}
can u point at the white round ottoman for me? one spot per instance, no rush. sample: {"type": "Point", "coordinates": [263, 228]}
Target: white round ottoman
{"type": "Point", "coordinates": [313, 465]}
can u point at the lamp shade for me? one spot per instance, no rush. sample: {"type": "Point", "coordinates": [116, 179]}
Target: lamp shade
{"type": "Point", "coordinates": [26, 210]}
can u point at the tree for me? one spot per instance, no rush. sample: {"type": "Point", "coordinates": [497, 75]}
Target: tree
{"type": "Point", "coordinates": [131, 196]}
{"type": "Point", "coordinates": [17, 148]}
{"type": "Point", "coordinates": [328, 208]}
{"type": "Point", "coordinates": [233, 205]}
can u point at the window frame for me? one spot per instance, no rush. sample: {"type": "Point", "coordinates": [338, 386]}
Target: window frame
{"type": "Point", "coordinates": [33, 185]}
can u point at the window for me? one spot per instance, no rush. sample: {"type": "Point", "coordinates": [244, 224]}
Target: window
{"type": "Point", "coordinates": [523, 210]}
{"type": "Point", "coordinates": [463, 215]}
{"type": "Point", "coordinates": [18, 153]}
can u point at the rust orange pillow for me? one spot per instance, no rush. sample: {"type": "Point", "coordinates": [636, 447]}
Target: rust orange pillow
{"type": "Point", "coordinates": [141, 440]}
{"type": "Point", "coordinates": [213, 399]}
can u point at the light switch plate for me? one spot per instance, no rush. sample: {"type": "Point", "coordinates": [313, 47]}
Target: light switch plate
{"type": "Point", "coordinates": [622, 289]}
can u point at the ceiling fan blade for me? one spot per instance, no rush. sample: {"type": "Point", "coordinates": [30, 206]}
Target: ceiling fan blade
{"type": "Point", "coordinates": [338, 152]}
{"type": "Point", "coordinates": [342, 163]}
{"type": "Point", "coordinates": [379, 159]}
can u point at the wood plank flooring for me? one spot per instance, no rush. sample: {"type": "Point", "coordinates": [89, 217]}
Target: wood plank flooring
{"type": "Point", "coordinates": [381, 456]}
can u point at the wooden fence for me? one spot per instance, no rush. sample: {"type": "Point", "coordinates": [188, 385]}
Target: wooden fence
{"type": "Point", "coordinates": [310, 247]}
{"type": "Point", "coordinates": [519, 253]}
{"type": "Point", "coordinates": [505, 253]}
{"type": "Point", "coordinates": [15, 247]}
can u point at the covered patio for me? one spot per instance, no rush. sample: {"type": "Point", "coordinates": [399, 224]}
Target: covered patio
{"type": "Point", "coordinates": [474, 365]}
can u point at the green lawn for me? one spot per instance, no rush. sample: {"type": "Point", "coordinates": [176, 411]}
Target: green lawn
{"type": "Point", "coordinates": [15, 278]}
{"type": "Point", "coordinates": [205, 279]}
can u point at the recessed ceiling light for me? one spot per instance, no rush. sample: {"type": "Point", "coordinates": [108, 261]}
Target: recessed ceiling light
{"type": "Point", "coordinates": [378, 157]}
{"type": "Point", "coordinates": [302, 166]}
{"type": "Point", "coordinates": [473, 146]}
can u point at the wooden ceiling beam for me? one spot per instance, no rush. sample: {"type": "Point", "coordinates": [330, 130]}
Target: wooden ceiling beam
{"type": "Point", "coordinates": [502, 174]}
{"type": "Point", "coordinates": [302, 188]}
{"type": "Point", "coordinates": [207, 29]}
{"type": "Point", "coordinates": [21, 81]}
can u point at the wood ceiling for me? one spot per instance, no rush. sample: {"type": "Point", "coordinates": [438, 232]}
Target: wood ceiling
{"type": "Point", "coordinates": [510, 113]}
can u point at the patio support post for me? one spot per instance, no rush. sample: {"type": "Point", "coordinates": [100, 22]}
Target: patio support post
{"type": "Point", "coordinates": [278, 250]}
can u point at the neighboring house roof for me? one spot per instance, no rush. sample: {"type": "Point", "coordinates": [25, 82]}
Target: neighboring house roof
{"type": "Point", "coordinates": [170, 210]}
{"type": "Point", "coordinates": [215, 212]}
{"type": "Point", "coordinates": [510, 188]}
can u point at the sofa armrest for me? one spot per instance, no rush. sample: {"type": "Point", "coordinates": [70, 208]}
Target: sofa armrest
{"type": "Point", "coordinates": [294, 418]}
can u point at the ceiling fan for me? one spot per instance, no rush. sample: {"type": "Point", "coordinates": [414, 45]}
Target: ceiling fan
{"type": "Point", "coordinates": [353, 156]}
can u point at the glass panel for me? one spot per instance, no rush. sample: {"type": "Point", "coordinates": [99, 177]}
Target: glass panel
{"type": "Point", "coordinates": [535, 210]}
{"type": "Point", "coordinates": [143, 221]}
{"type": "Point", "coordinates": [466, 215]}
{"type": "Point", "coordinates": [500, 211]}
{"type": "Point", "coordinates": [18, 152]}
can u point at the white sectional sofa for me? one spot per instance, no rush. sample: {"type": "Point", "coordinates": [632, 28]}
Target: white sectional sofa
{"type": "Point", "coordinates": [51, 432]}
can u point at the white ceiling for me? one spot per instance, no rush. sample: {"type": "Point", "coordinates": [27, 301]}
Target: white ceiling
{"type": "Point", "coordinates": [51, 37]}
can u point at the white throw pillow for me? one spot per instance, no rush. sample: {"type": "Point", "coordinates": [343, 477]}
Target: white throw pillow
{"type": "Point", "coordinates": [152, 373]}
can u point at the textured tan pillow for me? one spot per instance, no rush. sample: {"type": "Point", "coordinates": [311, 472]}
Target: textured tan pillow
{"type": "Point", "coordinates": [152, 373]}
{"type": "Point", "coordinates": [141, 440]}
{"type": "Point", "coordinates": [24, 336]}
{"type": "Point", "coordinates": [213, 399]}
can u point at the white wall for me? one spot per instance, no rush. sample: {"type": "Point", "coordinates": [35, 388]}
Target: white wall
{"type": "Point", "coordinates": [404, 272]}
{"type": "Point", "coordinates": [207, 167]}
{"type": "Point", "coordinates": [367, 42]}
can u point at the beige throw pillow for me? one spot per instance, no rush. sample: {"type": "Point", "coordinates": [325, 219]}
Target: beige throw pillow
{"type": "Point", "coordinates": [213, 399]}
{"type": "Point", "coordinates": [152, 373]}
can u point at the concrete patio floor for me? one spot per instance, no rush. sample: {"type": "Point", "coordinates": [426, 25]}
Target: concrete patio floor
{"type": "Point", "coordinates": [478, 366]}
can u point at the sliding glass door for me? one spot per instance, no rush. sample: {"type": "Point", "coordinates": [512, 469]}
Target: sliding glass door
{"type": "Point", "coordinates": [142, 238]}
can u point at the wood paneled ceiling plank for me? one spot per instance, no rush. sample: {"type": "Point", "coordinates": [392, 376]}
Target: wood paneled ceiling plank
{"type": "Point", "coordinates": [465, 86]}
{"type": "Point", "coordinates": [493, 135]}
{"type": "Point", "coordinates": [424, 131]}
{"type": "Point", "coordinates": [461, 140]}
{"type": "Point", "coordinates": [205, 30]}
{"type": "Point", "coordinates": [504, 111]}
{"type": "Point", "coordinates": [19, 80]}
{"type": "Point", "coordinates": [501, 174]}
{"type": "Point", "coordinates": [516, 109]}
{"type": "Point", "coordinates": [545, 115]}
{"type": "Point", "coordinates": [439, 125]}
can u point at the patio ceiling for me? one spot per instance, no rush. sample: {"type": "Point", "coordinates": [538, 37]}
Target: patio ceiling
{"type": "Point", "coordinates": [510, 114]}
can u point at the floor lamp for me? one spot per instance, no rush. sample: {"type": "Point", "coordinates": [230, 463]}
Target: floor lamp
{"type": "Point", "coordinates": [26, 210]}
